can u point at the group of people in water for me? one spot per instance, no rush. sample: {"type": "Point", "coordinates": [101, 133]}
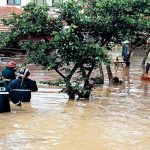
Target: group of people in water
{"type": "Point", "coordinates": [15, 86]}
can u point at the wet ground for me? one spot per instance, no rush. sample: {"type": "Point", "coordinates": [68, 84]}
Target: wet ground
{"type": "Point", "coordinates": [115, 117]}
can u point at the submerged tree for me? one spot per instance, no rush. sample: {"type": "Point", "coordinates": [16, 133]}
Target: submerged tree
{"type": "Point", "coordinates": [67, 55]}
{"type": "Point", "coordinates": [70, 52]}
{"type": "Point", "coordinates": [109, 20]}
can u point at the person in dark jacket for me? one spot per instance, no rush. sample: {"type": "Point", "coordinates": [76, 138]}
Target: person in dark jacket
{"type": "Point", "coordinates": [125, 49]}
{"type": "Point", "coordinates": [22, 86]}
{"type": "Point", "coordinates": [5, 98]}
{"type": "Point", "coordinates": [8, 73]}
{"type": "Point", "coordinates": [125, 52]}
{"type": "Point", "coordinates": [147, 68]}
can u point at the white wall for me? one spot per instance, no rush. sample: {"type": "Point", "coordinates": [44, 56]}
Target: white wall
{"type": "Point", "coordinates": [3, 2]}
{"type": "Point", "coordinates": [49, 2]}
{"type": "Point", "coordinates": [24, 2]}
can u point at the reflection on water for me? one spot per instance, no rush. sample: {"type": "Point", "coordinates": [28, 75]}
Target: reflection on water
{"type": "Point", "coordinates": [115, 118]}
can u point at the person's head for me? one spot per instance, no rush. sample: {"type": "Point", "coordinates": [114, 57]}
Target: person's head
{"type": "Point", "coordinates": [11, 64]}
{"type": "Point", "coordinates": [125, 42]}
{"type": "Point", "coordinates": [117, 59]}
{"type": "Point", "coordinates": [23, 72]}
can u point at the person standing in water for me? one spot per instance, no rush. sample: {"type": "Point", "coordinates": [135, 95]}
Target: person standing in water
{"type": "Point", "coordinates": [5, 97]}
{"type": "Point", "coordinates": [8, 73]}
{"type": "Point", "coordinates": [125, 52]}
{"type": "Point", "coordinates": [22, 86]}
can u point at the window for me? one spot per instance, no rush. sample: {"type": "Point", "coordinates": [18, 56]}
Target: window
{"type": "Point", "coordinates": [48, 2]}
{"type": "Point", "coordinates": [14, 2]}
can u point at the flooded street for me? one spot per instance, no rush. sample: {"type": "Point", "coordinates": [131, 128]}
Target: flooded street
{"type": "Point", "coordinates": [115, 117]}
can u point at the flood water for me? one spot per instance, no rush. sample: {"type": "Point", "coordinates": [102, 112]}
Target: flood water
{"type": "Point", "coordinates": [115, 117]}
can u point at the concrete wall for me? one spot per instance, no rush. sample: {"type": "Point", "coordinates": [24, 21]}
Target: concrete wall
{"type": "Point", "coordinates": [3, 2]}
{"type": "Point", "coordinates": [49, 2]}
{"type": "Point", "coordinates": [24, 2]}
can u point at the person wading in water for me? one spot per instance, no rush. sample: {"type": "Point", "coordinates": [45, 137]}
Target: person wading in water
{"type": "Point", "coordinates": [125, 52]}
{"type": "Point", "coordinates": [5, 97]}
{"type": "Point", "coordinates": [22, 86]}
{"type": "Point", "coordinates": [8, 73]}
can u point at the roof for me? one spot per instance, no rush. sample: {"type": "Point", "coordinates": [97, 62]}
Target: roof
{"type": "Point", "coordinates": [8, 10]}
{"type": "Point", "coordinates": [5, 12]}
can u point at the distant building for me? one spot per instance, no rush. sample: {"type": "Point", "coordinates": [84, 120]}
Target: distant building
{"type": "Point", "coordinates": [20, 3]}
{"type": "Point", "coordinates": [5, 13]}
{"type": "Point", "coordinates": [15, 6]}
{"type": "Point", "coordinates": [13, 3]}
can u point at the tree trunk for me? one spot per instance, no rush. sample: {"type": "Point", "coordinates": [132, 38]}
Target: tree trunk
{"type": "Point", "coordinates": [101, 72]}
{"type": "Point", "coordinates": [134, 46]}
{"type": "Point", "coordinates": [69, 90]}
{"type": "Point", "coordinates": [71, 95]}
{"type": "Point", "coordinates": [147, 50]}
{"type": "Point", "coordinates": [109, 72]}
{"type": "Point", "coordinates": [86, 90]}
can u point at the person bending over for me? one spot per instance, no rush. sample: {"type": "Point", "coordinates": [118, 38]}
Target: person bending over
{"type": "Point", "coordinates": [22, 86]}
{"type": "Point", "coordinates": [8, 73]}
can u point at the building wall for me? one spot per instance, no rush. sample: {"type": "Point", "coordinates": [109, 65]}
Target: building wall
{"type": "Point", "coordinates": [49, 2]}
{"type": "Point", "coordinates": [2, 2]}
{"type": "Point", "coordinates": [24, 2]}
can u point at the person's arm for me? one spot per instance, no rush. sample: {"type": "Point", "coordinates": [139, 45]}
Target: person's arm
{"type": "Point", "coordinates": [34, 87]}
{"type": "Point", "coordinates": [13, 96]}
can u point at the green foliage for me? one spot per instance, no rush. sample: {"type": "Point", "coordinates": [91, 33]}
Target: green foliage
{"type": "Point", "coordinates": [69, 53]}
{"type": "Point", "coordinates": [53, 83]}
{"type": "Point", "coordinates": [72, 49]}
{"type": "Point", "coordinates": [37, 52]}
{"type": "Point", "coordinates": [108, 20]}
{"type": "Point", "coordinates": [97, 80]}
{"type": "Point", "coordinates": [7, 39]}
{"type": "Point", "coordinates": [34, 20]}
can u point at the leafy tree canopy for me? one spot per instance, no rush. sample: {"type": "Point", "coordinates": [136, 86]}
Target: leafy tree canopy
{"type": "Point", "coordinates": [68, 52]}
{"type": "Point", "coordinates": [108, 20]}
{"type": "Point", "coordinates": [34, 20]}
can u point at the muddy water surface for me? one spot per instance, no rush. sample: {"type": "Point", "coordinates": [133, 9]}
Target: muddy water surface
{"type": "Point", "coordinates": [115, 117]}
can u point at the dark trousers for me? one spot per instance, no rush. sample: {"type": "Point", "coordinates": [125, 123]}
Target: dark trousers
{"type": "Point", "coordinates": [147, 67]}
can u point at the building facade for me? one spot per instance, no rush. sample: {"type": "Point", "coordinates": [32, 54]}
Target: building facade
{"type": "Point", "coordinates": [19, 3]}
{"type": "Point", "coordinates": [15, 6]}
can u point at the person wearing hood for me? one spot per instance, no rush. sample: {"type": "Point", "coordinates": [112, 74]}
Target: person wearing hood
{"type": "Point", "coordinates": [8, 73]}
{"type": "Point", "coordinates": [125, 52]}
{"type": "Point", "coordinates": [22, 86]}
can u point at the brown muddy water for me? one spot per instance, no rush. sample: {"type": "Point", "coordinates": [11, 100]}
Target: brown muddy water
{"type": "Point", "coordinates": [115, 117]}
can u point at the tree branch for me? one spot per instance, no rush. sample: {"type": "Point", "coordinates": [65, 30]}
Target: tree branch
{"type": "Point", "coordinates": [72, 71]}
{"type": "Point", "coordinates": [90, 71]}
{"type": "Point", "coordinates": [56, 69]}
